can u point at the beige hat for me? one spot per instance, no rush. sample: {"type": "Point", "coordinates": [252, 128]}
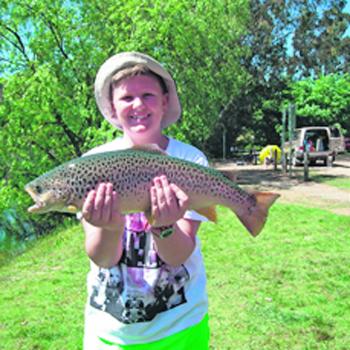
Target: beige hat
{"type": "Point", "coordinates": [128, 59]}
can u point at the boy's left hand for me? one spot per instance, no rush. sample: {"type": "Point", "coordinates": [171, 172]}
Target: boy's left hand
{"type": "Point", "coordinates": [168, 202]}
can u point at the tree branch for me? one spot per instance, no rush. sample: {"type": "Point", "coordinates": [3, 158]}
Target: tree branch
{"type": "Point", "coordinates": [57, 37]}
{"type": "Point", "coordinates": [18, 44]}
{"type": "Point", "coordinates": [51, 155]}
{"type": "Point", "coordinates": [73, 138]}
{"type": "Point", "coordinates": [53, 29]}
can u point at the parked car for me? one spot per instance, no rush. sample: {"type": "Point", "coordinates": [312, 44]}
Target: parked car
{"type": "Point", "coordinates": [338, 139]}
{"type": "Point", "coordinates": [322, 143]}
{"type": "Point", "coordinates": [347, 143]}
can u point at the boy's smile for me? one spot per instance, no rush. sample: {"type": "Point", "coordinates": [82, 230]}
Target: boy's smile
{"type": "Point", "coordinates": [139, 105]}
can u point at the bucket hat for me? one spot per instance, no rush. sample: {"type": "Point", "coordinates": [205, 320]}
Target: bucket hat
{"type": "Point", "coordinates": [128, 59]}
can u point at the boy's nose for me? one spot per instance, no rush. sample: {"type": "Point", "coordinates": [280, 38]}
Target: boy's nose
{"type": "Point", "coordinates": [138, 102]}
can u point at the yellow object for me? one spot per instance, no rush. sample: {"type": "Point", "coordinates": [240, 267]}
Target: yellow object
{"type": "Point", "coordinates": [268, 152]}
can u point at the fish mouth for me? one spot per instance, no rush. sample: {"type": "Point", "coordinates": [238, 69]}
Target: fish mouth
{"type": "Point", "coordinates": [39, 206]}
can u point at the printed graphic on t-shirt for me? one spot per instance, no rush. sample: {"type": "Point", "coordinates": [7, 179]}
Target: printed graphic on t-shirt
{"type": "Point", "coordinates": [141, 285]}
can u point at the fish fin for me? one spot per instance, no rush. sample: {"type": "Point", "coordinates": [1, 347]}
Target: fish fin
{"type": "Point", "coordinates": [72, 209]}
{"type": "Point", "coordinates": [231, 175]}
{"type": "Point", "coordinates": [150, 147]}
{"type": "Point", "coordinates": [254, 221]}
{"type": "Point", "coordinates": [208, 212]}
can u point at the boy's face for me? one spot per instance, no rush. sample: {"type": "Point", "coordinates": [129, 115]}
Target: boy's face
{"type": "Point", "coordinates": [139, 104]}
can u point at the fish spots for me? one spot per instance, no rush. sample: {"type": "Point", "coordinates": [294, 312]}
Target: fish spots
{"type": "Point", "coordinates": [131, 172]}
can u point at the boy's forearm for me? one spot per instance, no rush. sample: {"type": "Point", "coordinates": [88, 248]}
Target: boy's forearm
{"type": "Point", "coordinates": [177, 248]}
{"type": "Point", "coordinates": [103, 247]}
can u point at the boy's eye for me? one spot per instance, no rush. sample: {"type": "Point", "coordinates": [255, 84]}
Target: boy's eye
{"type": "Point", "coordinates": [127, 98]}
{"type": "Point", "coordinates": [148, 95]}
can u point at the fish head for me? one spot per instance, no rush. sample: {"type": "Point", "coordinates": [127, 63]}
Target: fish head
{"type": "Point", "coordinates": [50, 192]}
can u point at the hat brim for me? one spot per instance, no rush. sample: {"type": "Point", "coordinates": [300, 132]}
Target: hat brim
{"type": "Point", "coordinates": [126, 59]}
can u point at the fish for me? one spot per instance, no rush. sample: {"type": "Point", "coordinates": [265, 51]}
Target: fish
{"type": "Point", "coordinates": [132, 171]}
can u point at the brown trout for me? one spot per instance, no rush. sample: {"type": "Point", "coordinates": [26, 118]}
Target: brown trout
{"type": "Point", "coordinates": [131, 172]}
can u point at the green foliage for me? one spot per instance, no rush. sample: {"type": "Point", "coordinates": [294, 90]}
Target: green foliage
{"type": "Point", "coordinates": [324, 101]}
{"type": "Point", "coordinates": [50, 53]}
{"type": "Point", "coordinates": [320, 46]}
{"type": "Point", "coordinates": [285, 41]}
{"type": "Point", "coordinates": [286, 289]}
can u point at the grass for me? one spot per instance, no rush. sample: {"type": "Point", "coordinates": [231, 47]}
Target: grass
{"type": "Point", "coordinates": [286, 289]}
{"type": "Point", "coordinates": [289, 288]}
{"type": "Point", "coordinates": [336, 181]}
{"type": "Point", "coordinates": [42, 294]}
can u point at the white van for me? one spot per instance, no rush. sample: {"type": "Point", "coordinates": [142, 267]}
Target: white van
{"type": "Point", "coordinates": [322, 143]}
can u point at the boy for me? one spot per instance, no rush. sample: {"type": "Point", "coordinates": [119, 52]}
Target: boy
{"type": "Point", "coordinates": [147, 283]}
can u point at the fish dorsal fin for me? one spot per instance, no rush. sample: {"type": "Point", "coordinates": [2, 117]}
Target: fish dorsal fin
{"type": "Point", "coordinates": [231, 175]}
{"type": "Point", "coordinates": [150, 147]}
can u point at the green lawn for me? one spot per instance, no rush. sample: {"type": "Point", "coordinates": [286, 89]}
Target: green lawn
{"type": "Point", "coordinates": [336, 181]}
{"type": "Point", "coordinates": [289, 288]}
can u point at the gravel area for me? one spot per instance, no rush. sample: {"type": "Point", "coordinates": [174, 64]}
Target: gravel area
{"type": "Point", "coordinates": [293, 188]}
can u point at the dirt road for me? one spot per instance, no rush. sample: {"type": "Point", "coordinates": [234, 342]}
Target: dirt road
{"type": "Point", "coordinates": [293, 189]}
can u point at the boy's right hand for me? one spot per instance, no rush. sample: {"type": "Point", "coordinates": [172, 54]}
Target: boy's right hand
{"type": "Point", "coordinates": [101, 208]}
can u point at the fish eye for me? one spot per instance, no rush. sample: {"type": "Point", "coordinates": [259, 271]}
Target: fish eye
{"type": "Point", "coordinates": [38, 189]}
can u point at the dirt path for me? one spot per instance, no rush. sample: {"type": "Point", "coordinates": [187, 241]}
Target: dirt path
{"type": "Point", "coordinates": [293, 189]}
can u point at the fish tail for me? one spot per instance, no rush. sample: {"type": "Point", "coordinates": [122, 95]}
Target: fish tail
{"type": "Point", "coordinates": [254, 220]}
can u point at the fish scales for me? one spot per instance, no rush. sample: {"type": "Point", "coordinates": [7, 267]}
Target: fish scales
{"type": "Point", "coordinates": [132, 171]}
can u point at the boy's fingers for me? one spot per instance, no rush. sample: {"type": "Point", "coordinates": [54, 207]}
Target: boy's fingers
{"type": "Point", "coordinates": [169, 196]}
{"type": "Point", "coordinates": [154, 202]}
{"type": "Point", "coordinates": [107, 205]}
{"type": "Point", "coordinates": [89, 204]}
{"type": "Point", "coordinates": [160, 195]}
{"type": "Point", "coordinates": [100, 197]}
{"type": "Point", "coordinates": [181, 196]}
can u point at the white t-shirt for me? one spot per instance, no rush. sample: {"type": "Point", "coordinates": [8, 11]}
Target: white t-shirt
{"type": "Point", "coordinates": [142, 299]}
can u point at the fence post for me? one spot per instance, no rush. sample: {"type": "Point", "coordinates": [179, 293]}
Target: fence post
{"type": "Point", "coordinates": [330, 160]}
{"type": "Point", "coordinates": [283, 141]}
{"type": "Point", "coordinates": [275, 160]}
{"type": "Point", "coordinates": [306, 165]}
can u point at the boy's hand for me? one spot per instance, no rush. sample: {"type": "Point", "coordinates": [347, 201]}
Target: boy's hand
{"type": "Point", "coordinates": [101, 208]}
{"type": "Point", "coordinates": [168, 202]}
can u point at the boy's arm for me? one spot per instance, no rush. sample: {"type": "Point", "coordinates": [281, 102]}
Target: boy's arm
{"type": "Point", "coordinates": [177, 248]}
{"type": "Point", "coordinates": [103, 225]}
{"type": "Point", "coordinates": [168, 206]}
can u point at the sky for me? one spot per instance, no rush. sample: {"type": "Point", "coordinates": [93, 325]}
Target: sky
{"type": "Point", "coordinates": [347, 9]}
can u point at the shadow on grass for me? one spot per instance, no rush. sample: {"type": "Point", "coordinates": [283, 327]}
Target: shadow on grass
{"type": "Point", "coordinates": [277, 179]}
{"type": "Point", "coordinates": [268, 178]}
{"type": "Point", "coordinates": [322, 178]}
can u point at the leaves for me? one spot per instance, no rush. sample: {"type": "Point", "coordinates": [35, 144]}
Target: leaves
{"type": "Point", "coordinates": [51, 52]}
{"type": "Point", "coordinates": [324, 101]}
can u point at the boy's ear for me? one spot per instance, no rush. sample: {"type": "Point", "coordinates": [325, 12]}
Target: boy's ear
{"type": "Point", "coordinates": [165, 101]}
{"type": "Point", "coordinates": [114, 112]}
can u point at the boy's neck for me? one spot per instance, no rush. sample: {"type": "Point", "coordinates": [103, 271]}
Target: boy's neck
{"type": "Point", "coordinates": [162, 141]}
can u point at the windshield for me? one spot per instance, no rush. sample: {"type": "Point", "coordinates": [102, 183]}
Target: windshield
{"type": "Point", "coordinates": [335, 132]}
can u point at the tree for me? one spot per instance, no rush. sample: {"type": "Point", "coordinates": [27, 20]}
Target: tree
{"type": "Point", "coordinates": [319, 44]}
{"type": "Point", "coordinates": [286, 41]}
{"type": "Point", "coordinates": [323, 101]}
{"type": "Point", "coordinates": [50, 53]}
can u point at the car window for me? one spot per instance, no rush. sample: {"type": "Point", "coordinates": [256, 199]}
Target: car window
{"type": "Point", "coordinates": [335, 132]}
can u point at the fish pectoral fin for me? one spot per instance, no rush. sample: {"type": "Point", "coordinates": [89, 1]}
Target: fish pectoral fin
{"type": "Point", "coordinates": [208, 212]}
{"type": "Point", "coordinates": [72, 209]}
{"type": "Point", "coordinates": [254, 221]}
